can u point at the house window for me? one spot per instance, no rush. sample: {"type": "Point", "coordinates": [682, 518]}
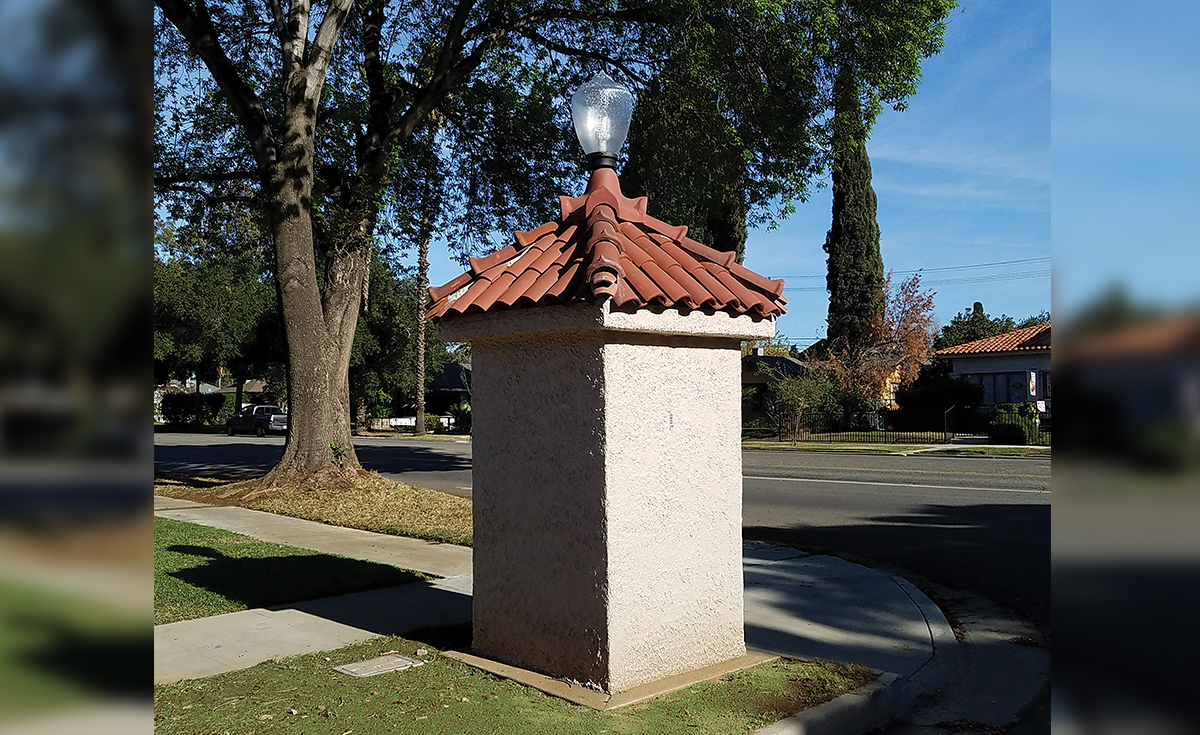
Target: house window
{"type": "Point", "coordinates": [1018, 387]}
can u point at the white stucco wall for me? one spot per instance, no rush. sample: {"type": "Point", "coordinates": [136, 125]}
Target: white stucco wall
{"type": "Point", "coordinates": [607, 497]}
{"type": "Point", "coordinates": [1014, 363]}
{"type": "Point", "coordinates": [540, 557]}
{"type": "Point", "coordinates": [674, 499]}
{"type": "Point", "coordinates": [570, 317]}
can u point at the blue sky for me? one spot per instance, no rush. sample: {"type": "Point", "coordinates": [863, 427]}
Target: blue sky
{"type": "Point", "coordinates": [962, 177]}
{"type": "Point", "coordinates": [1126, 150]}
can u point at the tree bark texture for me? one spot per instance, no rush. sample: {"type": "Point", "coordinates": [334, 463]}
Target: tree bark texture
{"type": "Point", "coordinates": [360, 415]}
{"type": "Point", "coordinates": [319, 325]}
{"type": "Point", "coordinates": [422, 290]}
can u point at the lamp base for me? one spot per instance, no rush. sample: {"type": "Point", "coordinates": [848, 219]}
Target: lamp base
{"type": "Point", "coordinates": [601, 160]}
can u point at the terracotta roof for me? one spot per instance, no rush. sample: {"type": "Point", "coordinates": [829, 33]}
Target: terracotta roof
{"type": "Point", "coordinates": [1028, 339]}
{"type": "Point", "coordinates": [1178, 335]}
{"type": "Point", "coordinates": [605, 245]}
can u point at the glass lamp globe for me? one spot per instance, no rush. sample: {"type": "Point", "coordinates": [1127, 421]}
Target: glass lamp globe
{"type": "Point", "coordinates": [601, 110]}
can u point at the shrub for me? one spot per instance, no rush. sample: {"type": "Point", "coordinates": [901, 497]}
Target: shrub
{"type": "Point", "coordinates": [1009, 428]}
{"type": "Point", "coordinates": [1167, 445]}
{"type": "Point", "coordinates": [1022, 408]}
{"type": "Point", "coordinates": [433, 423]}
{"type": "Point", "coordinates": [462, 418]}
{"type": "Point", "coordinates": [228, 408]}
{"type": "Point", "coordinates": [180, 408]}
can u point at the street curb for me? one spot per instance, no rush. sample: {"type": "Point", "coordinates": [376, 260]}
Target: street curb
{"type": "Point", "coordinates": [948, 659]}
{"type": "Point", "coordinates": [877, 704]}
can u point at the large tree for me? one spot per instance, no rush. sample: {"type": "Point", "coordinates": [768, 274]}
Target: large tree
{"type": "Point", "coordinates": [322, 116]}
{"type": "Point", "coordinates": [319, 123]}
{"type": "Point", "coordinates": [855, 275]}
{"type": "Point", "coordinates": [873, 51]}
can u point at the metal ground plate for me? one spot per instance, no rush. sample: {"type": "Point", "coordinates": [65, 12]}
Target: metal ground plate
{"type": "Point", "coordinates": [379, 665]}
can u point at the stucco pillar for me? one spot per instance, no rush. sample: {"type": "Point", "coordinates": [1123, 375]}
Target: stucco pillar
{"type": "Point", "coordinates": [607, 489]}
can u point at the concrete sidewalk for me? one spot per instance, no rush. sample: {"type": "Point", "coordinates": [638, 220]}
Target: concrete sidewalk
{"type": "Point", "coordinates": [799, 605]}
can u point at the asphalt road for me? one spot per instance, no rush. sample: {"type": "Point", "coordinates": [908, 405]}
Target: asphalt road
{"type": "Point", "coordinates": [980, 524]}
{"type": "Point", "coordinates": [439, 465]}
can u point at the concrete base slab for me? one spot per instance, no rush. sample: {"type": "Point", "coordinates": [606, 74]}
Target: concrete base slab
{"type": "Point", "coordinates": [442, 560]}
{"type": "Point", "coordinates": [826, 607]}
{"type": "Point", "coordinates": [600, 700]}
{"type": "Point", "coordinates": [192, 649]}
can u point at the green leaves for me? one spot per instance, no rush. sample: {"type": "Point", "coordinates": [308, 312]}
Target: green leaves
{"type": "Point", "coordinates": [383, 360]}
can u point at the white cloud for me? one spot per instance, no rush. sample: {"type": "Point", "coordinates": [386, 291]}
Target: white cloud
{"type": "Point", "coordinates": [969, 194]}
{"type": "Point", "coordinates": [1027, 165]}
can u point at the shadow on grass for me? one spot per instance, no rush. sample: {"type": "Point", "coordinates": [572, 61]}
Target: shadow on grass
{"type": "Point", "coordinates": [276, 580]}
{"type": "Point", "coordinates": [99, 662]}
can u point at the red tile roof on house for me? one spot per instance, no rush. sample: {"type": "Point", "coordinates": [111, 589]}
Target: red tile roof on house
{"type": "Point", "coordinates": [1170, 336]}
{"type": "Point", "coordinates": [605, 245]}
{"type": "Point", "coordinates": [1028, 339]}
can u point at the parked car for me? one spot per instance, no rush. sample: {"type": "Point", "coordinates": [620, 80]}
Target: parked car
{"type": "Point", "coordinates": [259, 419]}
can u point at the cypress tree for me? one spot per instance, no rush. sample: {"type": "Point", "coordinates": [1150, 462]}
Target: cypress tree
{"type": "Point", "coordinates": [855, 275]}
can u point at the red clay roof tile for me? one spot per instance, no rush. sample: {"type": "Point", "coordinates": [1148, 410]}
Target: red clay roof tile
{"type": "Point", "coordinates": [1028, 339]}
{"type": "Point", "coordinates": [604, 244]}
{"type": "Point", "coordinates": [1172, 336]}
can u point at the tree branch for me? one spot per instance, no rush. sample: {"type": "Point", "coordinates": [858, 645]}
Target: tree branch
{"type": "Point", "coordinates": [454, 37]}
{"type": "Point", "coordinates": [496, 27]}
{"type": "Point", "coordinates": [205, 178]}
{"type": "Point", "coordinates": [210, 198]}
{"type": "Point", "coordinates": [322, 48]}
{"type": "Point", "coordinates": [197, 28]}
{"type": "Point", "coordinates": [292, 58]}
{"type": "Point", "coordinates": [541, 40]}
{"type": "Point", "coordinates": [487, 34]}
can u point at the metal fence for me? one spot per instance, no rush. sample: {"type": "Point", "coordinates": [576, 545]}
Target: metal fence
{"type": "Point", "coordinates": [899, 427]}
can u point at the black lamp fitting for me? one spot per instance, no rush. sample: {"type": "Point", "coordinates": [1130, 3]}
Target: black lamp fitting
{"type": "Point", "coordinates": [601, 160]}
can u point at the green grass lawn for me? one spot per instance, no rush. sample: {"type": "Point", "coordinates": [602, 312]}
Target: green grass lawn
{"type": "Point", "coordinates": [835, 447]}
{"type": "Point", "coordinates": [982, 450]}
{"type": "Point", "coordinates": [59, 650]}
{"type": "Point", "coordinates": [305, 695]}
{"type": "Point", "coordinates": [201, 571]}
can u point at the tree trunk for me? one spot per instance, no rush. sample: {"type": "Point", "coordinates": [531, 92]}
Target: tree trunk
{"type": "Point", "coordinates": [422, 290]}
{"type": "Point", "coordinates": [237, 393]}
{"type": "Point", "coordinates": [360, 415]}
{"type": "Point", "coordinates": [319, 326]}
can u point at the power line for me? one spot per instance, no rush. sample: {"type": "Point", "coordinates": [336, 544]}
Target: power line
{"type": "Point", "coordinates": [995, 264]}
{"type": "Point", "coordinates": [996, 277]}
{"type": "Point", "coordinates": [1018, 276]}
